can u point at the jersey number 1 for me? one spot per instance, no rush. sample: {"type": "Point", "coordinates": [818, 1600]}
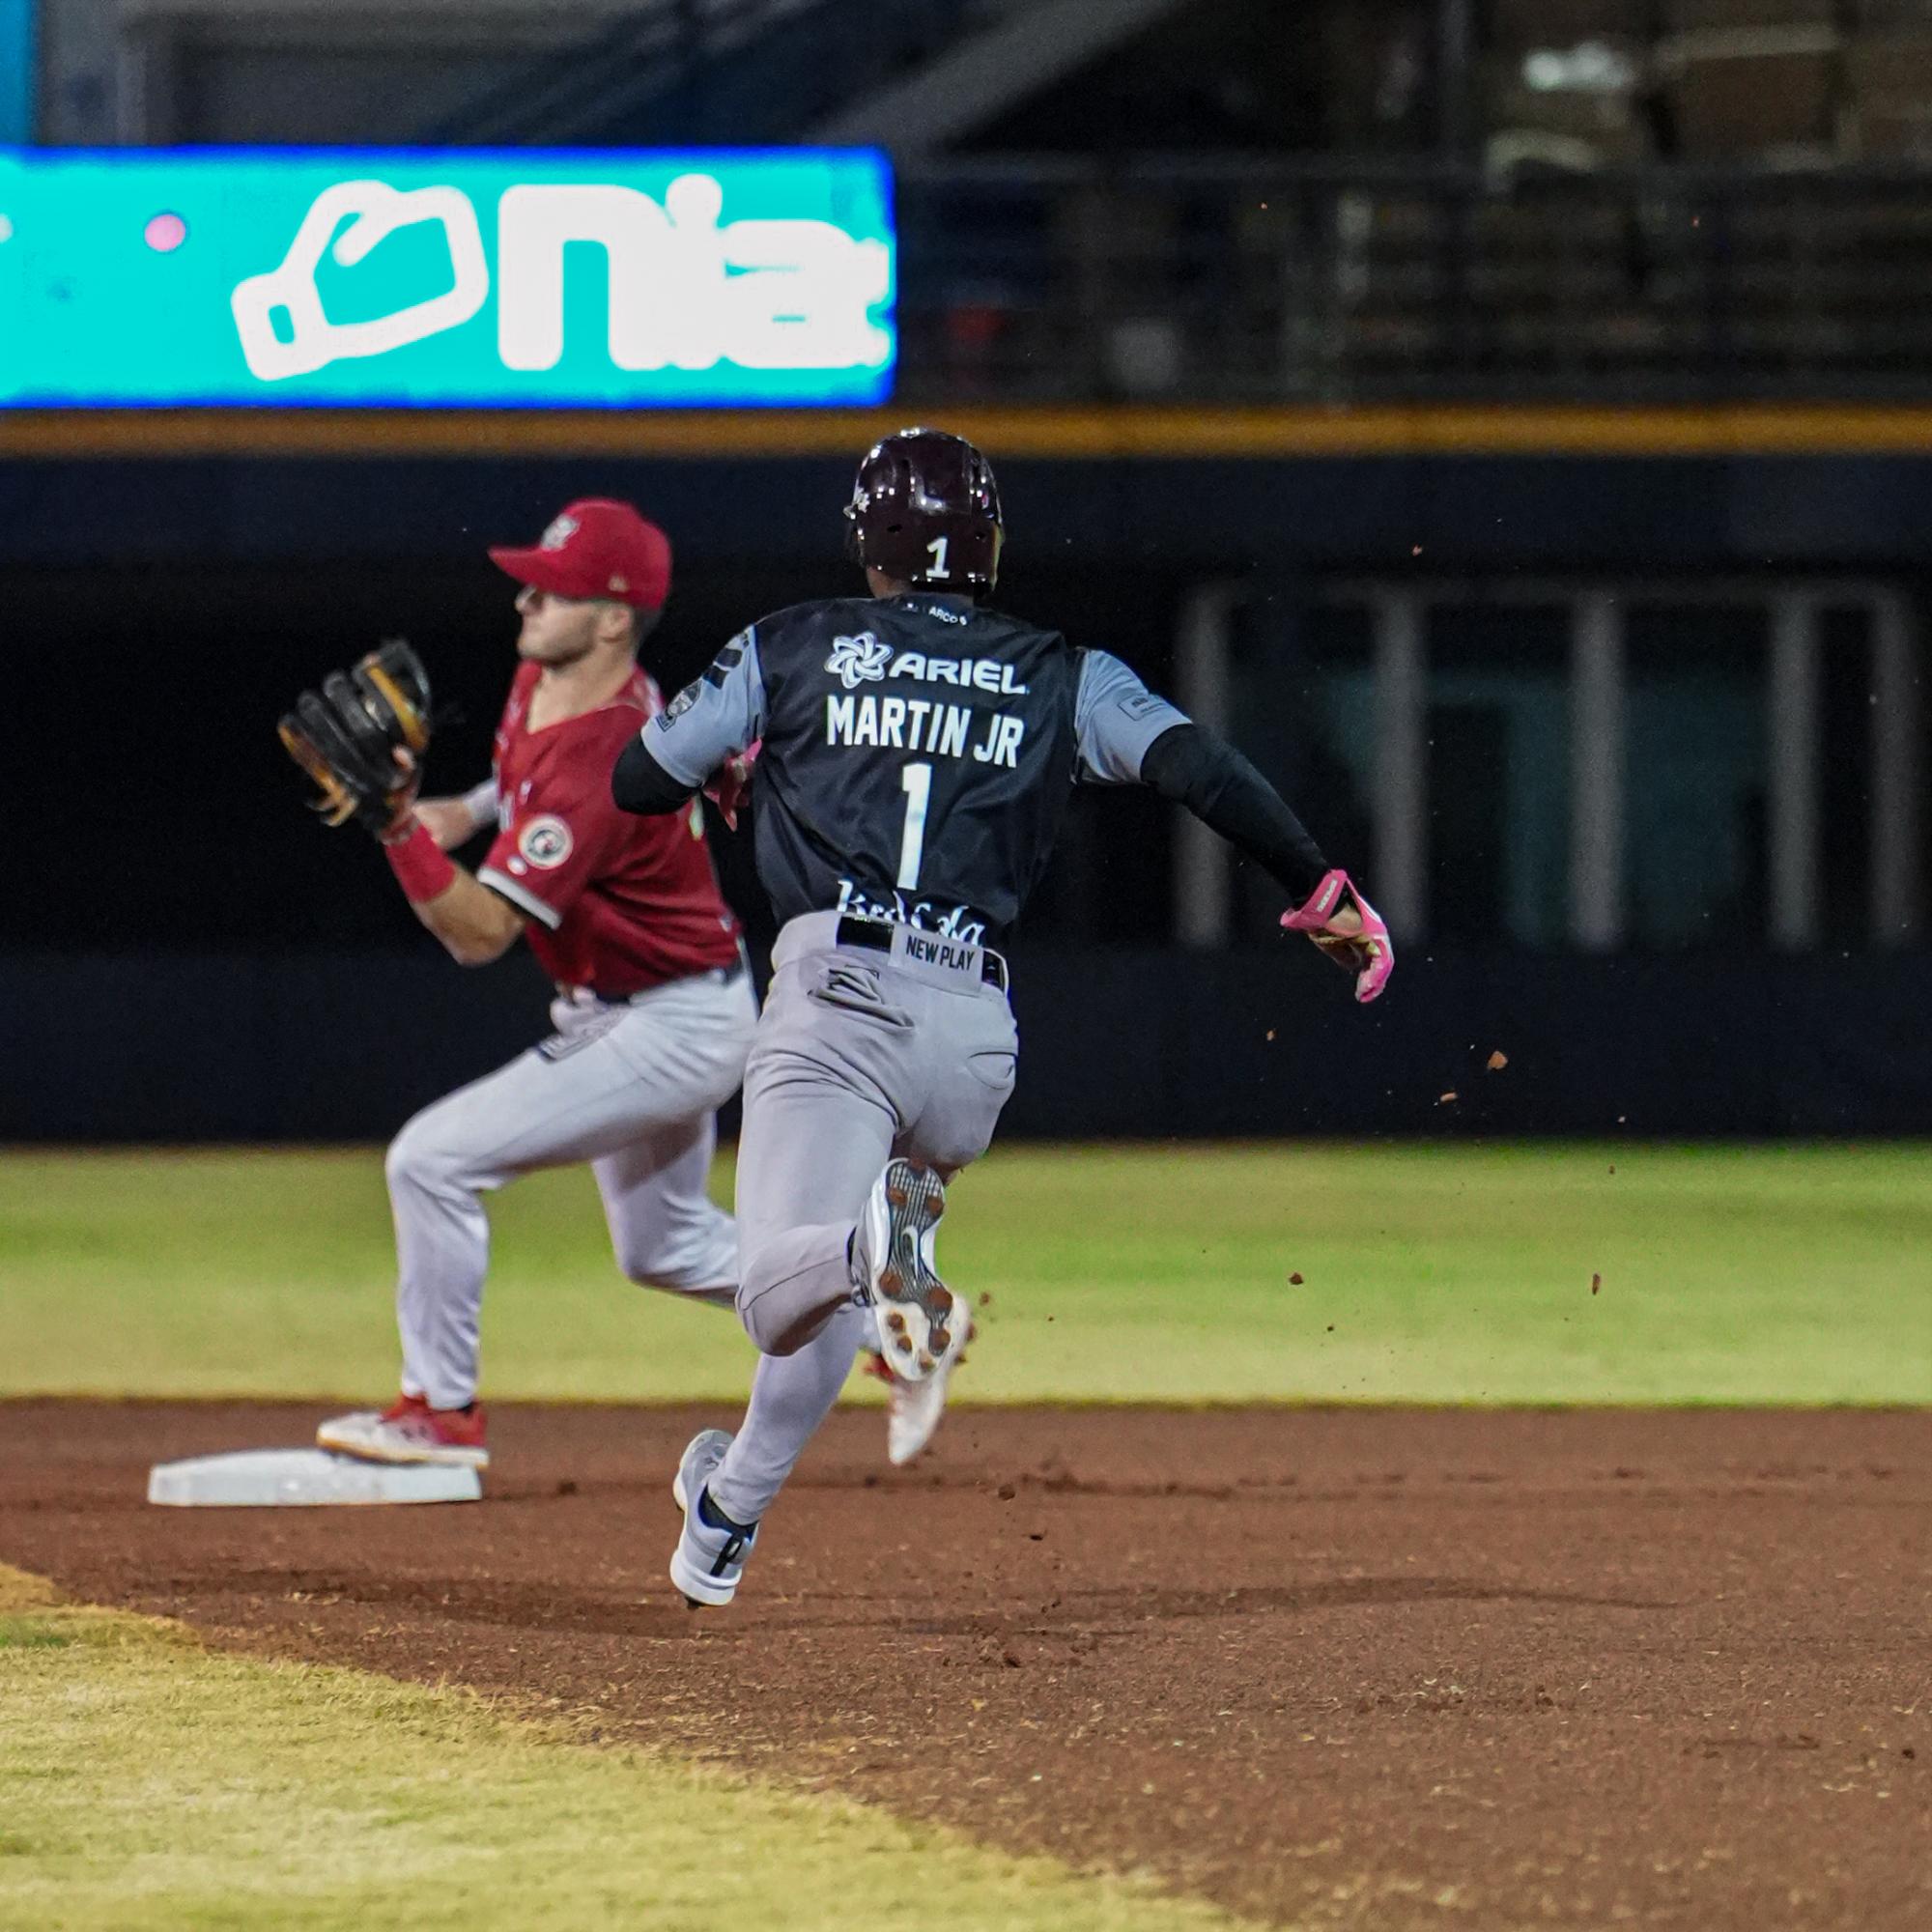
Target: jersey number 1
{"type": "Point", "coordinates": [916, 781]}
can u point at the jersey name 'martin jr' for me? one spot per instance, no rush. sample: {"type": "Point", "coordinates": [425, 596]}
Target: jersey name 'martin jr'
{"type": "Point", "coordinates": [918, 725]}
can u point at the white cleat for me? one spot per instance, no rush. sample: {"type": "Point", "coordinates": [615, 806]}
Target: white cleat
{"type": "Point", "coordinates": [912, 1409]}
{"type": "Point", "coordinates": [711, 1552]}
{"type": "Point", "coordinates": [921, 1329]}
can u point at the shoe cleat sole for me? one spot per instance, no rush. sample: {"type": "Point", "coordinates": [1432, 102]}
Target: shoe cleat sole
{"type": "Point", "coordinates": [912, 1307]}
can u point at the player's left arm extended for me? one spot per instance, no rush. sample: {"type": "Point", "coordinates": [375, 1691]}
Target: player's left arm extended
{"type": "Point", "coordinates": [1128, 735]}
{"type": "Point", "coordinates": [712, 721]}
{"type": "Point", "coordinates": [474, 925]}
{"type": "Point", "coordinates": [1222, 789]}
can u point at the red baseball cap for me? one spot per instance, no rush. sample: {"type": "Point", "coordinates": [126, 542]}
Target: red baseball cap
{"type": "Point", "coordinates": [595, 548]}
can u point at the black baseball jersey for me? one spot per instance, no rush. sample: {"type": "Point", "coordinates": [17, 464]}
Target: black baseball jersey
{"type": "Point", "coordinates": [918, 753]}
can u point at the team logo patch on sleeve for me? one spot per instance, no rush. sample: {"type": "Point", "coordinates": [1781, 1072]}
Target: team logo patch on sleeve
{"type": "Point", "coordinates": [545, 843]}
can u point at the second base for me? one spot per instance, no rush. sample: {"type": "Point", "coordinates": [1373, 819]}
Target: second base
{"type": "Point", "coordinates": [304, 1478]}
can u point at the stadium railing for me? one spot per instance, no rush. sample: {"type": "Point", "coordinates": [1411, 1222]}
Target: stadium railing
{"type": "Point", "coordinates": [1174, 279]}
{"type": "Point", "coordinates": [677, 72]}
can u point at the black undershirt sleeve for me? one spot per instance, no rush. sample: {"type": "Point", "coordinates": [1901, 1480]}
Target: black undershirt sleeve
{"type": "Point", "coordinates": [1227, 794]}
{"type": "Point", "coordinates": [639, 784]}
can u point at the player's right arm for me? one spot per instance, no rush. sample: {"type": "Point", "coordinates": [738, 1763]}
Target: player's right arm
{"type": "Point", "coordinates": [713, 720]}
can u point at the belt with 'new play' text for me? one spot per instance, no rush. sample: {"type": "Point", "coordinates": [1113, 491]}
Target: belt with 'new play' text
{"type": "Point", "coordinates": [875, 935]}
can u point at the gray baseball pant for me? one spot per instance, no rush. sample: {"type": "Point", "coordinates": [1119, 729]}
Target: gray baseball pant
{"type": "Point", "coordinates": [860, 1056]}
{"type": "Point", "coordinates": [630, 1089]}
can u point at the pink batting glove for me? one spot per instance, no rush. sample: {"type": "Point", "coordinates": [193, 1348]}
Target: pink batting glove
{"type": "Point", "coordinates": [731, 783]}
{"type": "Point", "coordinates": [1362, 945]}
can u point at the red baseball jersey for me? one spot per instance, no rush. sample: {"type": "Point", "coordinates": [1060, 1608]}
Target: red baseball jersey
{"type": "Point", "coordinates": [618, 902]}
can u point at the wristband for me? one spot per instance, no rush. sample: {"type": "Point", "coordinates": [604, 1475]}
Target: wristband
{"type": "Point", "coordinates": [422, 868]}
{"type": "Point", "coordinates": [1318, 908]}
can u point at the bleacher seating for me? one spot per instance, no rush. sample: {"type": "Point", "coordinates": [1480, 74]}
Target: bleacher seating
{"type": "Point", "coordinates": [1888, 92]}
{"type": "Point", "coordinates": [1585, 83]}
{"type": "Point", "coordinates": [1746, 78]}
{"type": "Point", "coordinates": [1611, 282]}
{"type": "Point", "coordinates": [1560, 83]}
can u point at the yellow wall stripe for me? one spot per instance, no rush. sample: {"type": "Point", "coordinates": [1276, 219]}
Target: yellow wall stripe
{"type": "Point", "coordinates": [1125, 432]}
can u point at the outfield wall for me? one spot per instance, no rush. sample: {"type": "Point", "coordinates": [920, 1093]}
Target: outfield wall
{"type": "Point", "coordinates": [188, 597]}
{"type": "Point", "coordinates": [1127, 1042]}
{"type": "Point", "coordinates": [184, 956]}
{"type": "Point", "coordinates": [1198, 490]}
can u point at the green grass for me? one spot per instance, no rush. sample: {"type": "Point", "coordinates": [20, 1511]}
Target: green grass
{"type": "Point", "coordinates": [1430, 1273]}
{"type": "Point", "coordinates": [147, 1784]}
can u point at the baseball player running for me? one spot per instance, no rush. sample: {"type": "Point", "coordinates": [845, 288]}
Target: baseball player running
{"type": "Point", "coordinates": [654, 1009]}
{"type": "Point", "coordinates": [918, 753]}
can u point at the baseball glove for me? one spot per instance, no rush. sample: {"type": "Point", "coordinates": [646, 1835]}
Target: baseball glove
{"type": "Point", "coordinates": [346, 737]}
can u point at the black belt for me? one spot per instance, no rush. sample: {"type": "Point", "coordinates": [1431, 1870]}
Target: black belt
{"type": "Point", "coordinates": [875, 935]}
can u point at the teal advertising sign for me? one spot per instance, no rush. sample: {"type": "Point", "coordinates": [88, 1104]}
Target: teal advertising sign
{"type": "Point", "coordinates": [444, 278]}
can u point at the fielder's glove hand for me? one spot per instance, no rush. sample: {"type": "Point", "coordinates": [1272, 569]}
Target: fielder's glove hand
{"type": "Point", "coordinates": [361, 738]}
{"type": "Point", "coordinates": [1347, 927]}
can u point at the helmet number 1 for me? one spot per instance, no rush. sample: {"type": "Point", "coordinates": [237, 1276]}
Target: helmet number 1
{"type": "Point", "coordinates": [936, 550]}
{"type": "Point", "coordinates": [916, 781]}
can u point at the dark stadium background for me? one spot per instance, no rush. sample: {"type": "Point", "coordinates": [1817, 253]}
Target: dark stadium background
{"type": "Point", "coordinates": [1471, 311]}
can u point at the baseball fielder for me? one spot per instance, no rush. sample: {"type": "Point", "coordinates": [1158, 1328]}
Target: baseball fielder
{"type": "Point", "coordinates": [918, 751]}
{"type": "Point", "coordinates": [654, 1009]}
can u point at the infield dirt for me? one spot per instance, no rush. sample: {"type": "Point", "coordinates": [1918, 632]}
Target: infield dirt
{"type": "Point", "coordinates": [1387, 1668]}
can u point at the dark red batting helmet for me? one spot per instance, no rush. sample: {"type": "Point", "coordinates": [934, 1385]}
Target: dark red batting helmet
{"type": "Point", "coordinates": [925, 510]}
